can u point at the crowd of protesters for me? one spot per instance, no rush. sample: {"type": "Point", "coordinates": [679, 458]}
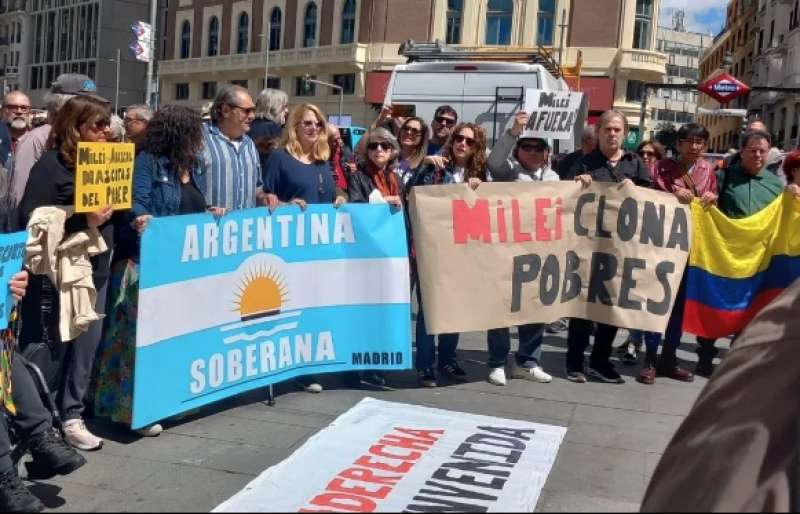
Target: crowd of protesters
{"type": "Point", "coordinates": [244, 153]}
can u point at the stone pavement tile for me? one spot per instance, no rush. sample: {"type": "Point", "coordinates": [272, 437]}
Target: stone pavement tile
{"type": "Point", "coordinates": [675, 400]}
{"type": "Point", "coordinates": [624, 438]}
{"type": "Point", "coordinates": [198, 451]}
{"type": "Point", "coordinates": [597, 472]}
{"type": "Point", "coordinates": [67, 497]}
{"type": "Point", "coordinates": [280, 414]}
{"type": "Point", "coordinates": [110, 472]}
{"type": "Point", "coordinates": [651, 460]}
{"type": "Point", "coordinates": [240, 430]}
{"type": "Point", "coordinates": [578, 501]}
{"type": "Point", "coordinates": [642, 420]}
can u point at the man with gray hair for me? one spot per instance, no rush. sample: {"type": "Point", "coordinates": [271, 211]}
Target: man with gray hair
{"type": "Point", "coordinates": [137, 118]}
{"type": "Point", "coordinates": [229, 161]}
{"type": "Point", "coordinates": [17, 120]}
{"type": "Point", "coordinates": [32, 145]}
{"type": "Point", "coordinates": [272, 107]}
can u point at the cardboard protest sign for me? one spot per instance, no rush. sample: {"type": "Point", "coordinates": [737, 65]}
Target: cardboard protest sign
{"type": "Point", "coordinates": [514, 253]}
{"type": "Point", "coordinates": [233, 304]}
{"type": "Point", "coordinates": [12, 254]}
{"type": "Point", "coordinates": [104, 176]}
{"type": "Point", "coordinates": [552, 113]}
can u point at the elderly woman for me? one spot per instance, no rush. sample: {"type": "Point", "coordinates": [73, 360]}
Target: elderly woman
{"type": "Point", "coordinates": [272, 107]}
{"type": "Point", "coordinates": [166, 183]}
{"type": "Point", "coordinates": [376, 173]}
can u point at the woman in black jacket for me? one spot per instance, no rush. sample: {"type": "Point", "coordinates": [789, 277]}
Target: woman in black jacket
{"type": "Point", "coordinates": [376, 173]}
{"type": "Point", "coordinates": [84, 118]}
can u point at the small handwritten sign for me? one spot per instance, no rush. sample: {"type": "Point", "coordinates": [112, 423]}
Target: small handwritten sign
{"type": "Point", "coordinates": [104, 176]}
{"type": "Point", "coordinates": [553, 114]}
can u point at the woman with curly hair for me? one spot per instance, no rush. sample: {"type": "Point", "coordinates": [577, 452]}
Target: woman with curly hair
{"type": "Point", "coordinates": [165, 183]}
{"type": "Point", "coordinates": [462, 160]}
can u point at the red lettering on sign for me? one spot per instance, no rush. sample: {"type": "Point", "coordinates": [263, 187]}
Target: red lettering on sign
{"type": "Point", "coordinates": [471, 223]}
{"type": "Point", "coordinates": [542, 232]}
{"type": "Point", "coordinates": [519, 236]}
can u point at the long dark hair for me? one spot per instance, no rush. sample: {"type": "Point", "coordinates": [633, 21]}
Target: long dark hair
{"type": "Point", "coordinates": [77, 112]}
{"type": "Point", "coordinates": [476, 163]}
{"type": "Point", "coordinates": [175, 132]}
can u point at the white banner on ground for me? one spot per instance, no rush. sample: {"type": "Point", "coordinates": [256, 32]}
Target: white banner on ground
{"type": "Point", "coordinates": [392, 457]}
{"type": "Point", "coordinates": [552, 113]}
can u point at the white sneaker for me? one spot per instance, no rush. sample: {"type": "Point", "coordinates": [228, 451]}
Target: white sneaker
{"type": "Point", "coordinates": [497, 376]}
{"type": "Point", "coordinates": [78, 436]}
{"type": "Point", "coordinates": [534, 373]}
{"type": "Point", "coordinates": [313, 387]}
{"type": "Point", "coordinates": [151, 430]}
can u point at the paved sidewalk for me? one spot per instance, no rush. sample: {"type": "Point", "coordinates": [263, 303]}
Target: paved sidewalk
{"type": "Point", "coordinates": [616, 435]}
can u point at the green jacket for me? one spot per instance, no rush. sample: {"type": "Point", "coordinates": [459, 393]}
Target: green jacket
{"type": "Point", "coordinates": [742, 195]}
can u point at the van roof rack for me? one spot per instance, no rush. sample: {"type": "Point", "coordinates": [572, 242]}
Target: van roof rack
{"type": "Point", "coordinates": [439, 51]}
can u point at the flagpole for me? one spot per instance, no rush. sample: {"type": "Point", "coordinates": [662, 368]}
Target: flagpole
{"type": "Point", "coordinates": [153, 16]}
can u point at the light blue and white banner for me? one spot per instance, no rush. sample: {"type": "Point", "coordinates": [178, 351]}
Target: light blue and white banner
{"type": "Point", "coordinates": [233, 304]}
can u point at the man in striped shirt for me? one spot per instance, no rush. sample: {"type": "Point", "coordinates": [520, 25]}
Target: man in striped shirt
{"type": "Point", "coordinates": [229, 160]}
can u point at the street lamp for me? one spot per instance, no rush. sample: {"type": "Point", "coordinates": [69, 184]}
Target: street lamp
{"type": "Point", "coordinates": [307, 79]}
{"type": "Point", "coordinates": [116, 90]}
{"type": "Point", "coordinates": [267, 43]}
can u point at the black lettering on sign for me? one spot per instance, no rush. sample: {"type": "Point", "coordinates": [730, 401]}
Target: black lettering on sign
{"type": "Point", "coordinates": [679, 233]}
{"type": "Point", "coordinates": [628, 219]}
{"type": "Point", "coordinates": [550, 281]}
{"type": "Point", "coordinates": [653, 224]}
{"type": "Point", "coordinates": [604, 268]}
{"type": "Point", "coordinates": [479, 466]}
{"type": "Point", "coordinates": [90, 200]}
{"type": "Point", "coordinates": [526, 269]}
{"type": "Point", "coordinates": [470, 480]}
{"type": "Point", "coordinates": [572, 281]}
{"type": "Point", "coordinates": [492, 440]}
{"type": "Point", "coordinates": [87, 177]}
{"type": "Point", "coordinates": [601, 213]}
{"type": "Point", "coordinates": [84, 156]}
{"type": "Point", "coordinates": [580, 230]}
{"type": "Point", "coordinates": [629, 283]}
{"type": "Point", "coordinates": [663, 271]}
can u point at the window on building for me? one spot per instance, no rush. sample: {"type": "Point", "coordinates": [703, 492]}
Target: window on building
{"type": "Point", "coordinates": [545, 22]}
{"type": "Point", "coordinates": [760, 40]}
{"type": "Point", "coordinates": [499, 14]}
{"type": "Point", "coordinates": [635, 91]}
{"type": "Point", "coordinates": [642, 24]}
{"type": "Point", "coordinates": [272, 83]}
{"type": "Point", "coordinates": [771, 34]}
{"type": "Point", "coordinates": [186, 39]}
{"type": "Point", "coordinates": [209, 90]}
{"type": "Point", "coordinates": [240, 83]}
{"type": "Point", "coordinates": [310, 26]}
{"type": "Point", "coordinates": [455, 13]}
{"type": "Point", "coordinates": [213, 36]}
{"type": "Point", "coordinates": [347, 82]}
{"type": "Point", "coordinates": [275, 29]}
{"type": "Point", "coordinates": [243, 33]}
{"type": "Point", "coordinates": [303, 88]}
{"type": "Point", "coordinates": [348, 22]}
{"type": "Point", "coordinates": [182, 91]}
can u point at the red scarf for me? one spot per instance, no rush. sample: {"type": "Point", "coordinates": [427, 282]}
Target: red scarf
{"type": "Point", "coordinates": [338, 171]}
{"type": "Point", "coordinates": [385, 181]}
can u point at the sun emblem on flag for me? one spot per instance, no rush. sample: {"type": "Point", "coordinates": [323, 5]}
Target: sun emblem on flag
{"type": "Point", "coordinates": [261, 294]}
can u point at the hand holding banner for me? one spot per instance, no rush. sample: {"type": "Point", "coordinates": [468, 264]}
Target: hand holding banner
{"type": "Point", "coordinates": [104, 176]}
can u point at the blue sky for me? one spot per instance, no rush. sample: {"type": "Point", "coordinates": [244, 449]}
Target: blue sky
{"type": "Point", "coordinates": [701, 15]}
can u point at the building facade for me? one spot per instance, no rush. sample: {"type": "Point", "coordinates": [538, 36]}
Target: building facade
{"type": "Point", "coordinates": [777, 64]}
{"type": "Point", "coordinates": [354, 43]}
{"type": "Point", "coordinates": [82, 36]}
{"type": "Point", "coordinates": [14, 48]}
{"type": "Point", "coordinates": [683, 50]}
{"type": "Point", "coordinates": [733, 49]}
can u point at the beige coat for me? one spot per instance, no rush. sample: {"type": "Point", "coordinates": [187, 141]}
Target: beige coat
{"type": "Point", "coordinates": [66, 263]}
{"type": "Point", "coordinates": [737, 450]}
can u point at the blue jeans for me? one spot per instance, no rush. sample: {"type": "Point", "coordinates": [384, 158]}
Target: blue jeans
{"type": "Point", "coordinates": [426, 345]}
{"type": "Point", "coordinates": [530, 345]}
{"type": "Point", "coordinates": [672, 338]}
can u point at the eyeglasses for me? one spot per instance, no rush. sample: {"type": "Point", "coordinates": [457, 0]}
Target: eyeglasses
{"type": "Point", "coordinates": [413, 131]}
{"type": "Point", "coordinates": [101, 124]}
{"type": "Point", "coordinates": [464, 139]}
{"type": "Point", "coordinates": [20, 108]}
{"type": "Point", "coordinates": [246, 110]}
{"type": "Point", "coordinates": [312, 124]}
{"type": "Point", "coordinates": [647, 154]}
{"type": "Point", "coordinates": [128, 120]}
{"type": "Point", "coordinates": [532, 148]}
{"type": "Point", "coordinates": [383, 145]}
{"type": "Point", "coordinates": [447, 122]}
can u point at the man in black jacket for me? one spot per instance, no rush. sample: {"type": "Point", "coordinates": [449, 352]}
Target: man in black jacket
{"type": "Point", "coordinates": [608, 162]}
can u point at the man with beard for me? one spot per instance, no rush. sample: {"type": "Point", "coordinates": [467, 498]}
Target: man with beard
{"type": "Point", "coordinates": [16, 123]}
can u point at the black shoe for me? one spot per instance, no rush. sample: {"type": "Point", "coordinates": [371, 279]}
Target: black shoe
{"type": "Point", "coordinates": [576, 375]}
{"type": "Point", "coordinates": [605, 373]}
{"type": "Point", "coordinates": [630, 355]}
{"type": "Point", "coordinates": [427, 378]}
{"type": "Point", "coordinates": [454, 371]}
{"type": "Point", "coordinates": [556, 327]}
{"type": "Point", "coordinates": [15, 497]}
{"type": "Point", "coordinates": [51, 456]}
{"type": "Point", "coordinates": [374, 380]}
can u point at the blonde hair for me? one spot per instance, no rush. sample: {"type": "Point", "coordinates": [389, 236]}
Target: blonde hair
{"type": "Point", "coordinates": [291, 142]}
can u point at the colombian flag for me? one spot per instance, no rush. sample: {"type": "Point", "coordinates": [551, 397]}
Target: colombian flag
{"type": "Point", "coordinates": [738, 266]}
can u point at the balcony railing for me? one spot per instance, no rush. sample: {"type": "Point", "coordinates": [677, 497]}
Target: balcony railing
{"type": "Point", "coordinates": [643, 60]}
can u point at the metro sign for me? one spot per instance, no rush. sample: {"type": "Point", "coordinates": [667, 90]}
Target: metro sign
{"type": "Point", "coordinates": [724, 87]}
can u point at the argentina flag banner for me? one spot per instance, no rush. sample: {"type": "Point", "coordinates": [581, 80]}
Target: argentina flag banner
{"type": "Point", "coordinates": [230, 304]}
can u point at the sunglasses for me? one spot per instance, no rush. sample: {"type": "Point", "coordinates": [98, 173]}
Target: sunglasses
{"type": "Point", "coordinates": [312, 124]}
{"type": "Point", "coordinates": [380, 144]}
{"type": "Point", "coordinates": [646, 154]}
{"type": "Point", "coordinates": [532, 148]}
{"type": "Point", "coordinates": [464, 139]}
{"type": "Point", "coordinates": [101, 124]}
{"type": "Point", "coordinates": [447, 122]}
{"type": "Point", "coordinates": [413, 131]}
{"type": "Point", "coordinates": [247, 111]}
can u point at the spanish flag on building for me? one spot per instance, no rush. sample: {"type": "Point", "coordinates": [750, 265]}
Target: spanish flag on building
{"type": "Point", "coordinates": [738, 266]}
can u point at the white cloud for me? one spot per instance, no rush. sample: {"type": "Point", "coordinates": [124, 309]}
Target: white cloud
{"type": "Point", "coordinates": [701, 15]}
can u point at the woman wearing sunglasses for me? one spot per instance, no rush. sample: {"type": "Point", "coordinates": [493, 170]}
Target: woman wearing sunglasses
{"type": "Point", "coordinates": [86, 119]}
{"type": "Point", "coordinates": [413, 138]}
{"type": "Point", "coordinates": [299, 173]}
{"type": "Point", "coordinates": [462, 160]}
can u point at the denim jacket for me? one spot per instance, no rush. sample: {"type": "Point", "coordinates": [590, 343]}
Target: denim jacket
{"type": "Point", "coordinates": [156, 188]}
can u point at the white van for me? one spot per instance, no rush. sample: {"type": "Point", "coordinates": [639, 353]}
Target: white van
{"type": "Point", "coordinates": [485, 92]}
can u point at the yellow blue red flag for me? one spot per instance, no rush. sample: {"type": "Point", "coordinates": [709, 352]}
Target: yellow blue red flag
{"type": "Point", "coordinates": [738, 266]}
